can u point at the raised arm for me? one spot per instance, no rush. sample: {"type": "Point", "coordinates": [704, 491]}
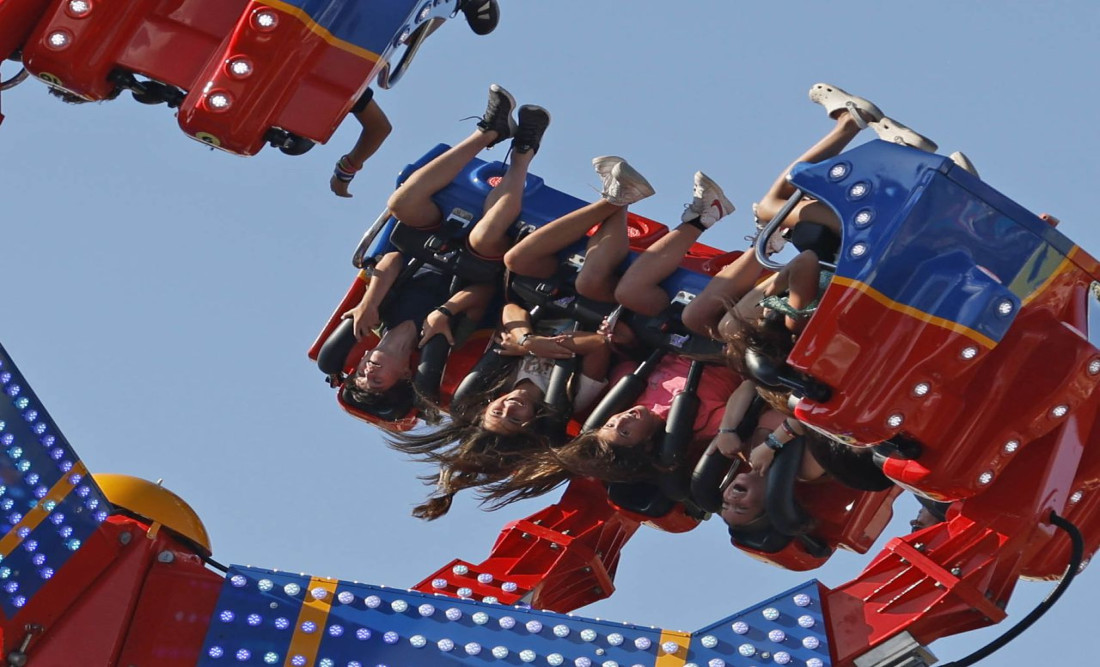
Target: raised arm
{"type": "Point", "coordinates": [364, 316]}
{"type": "Point", "coordinates": [737, 406]}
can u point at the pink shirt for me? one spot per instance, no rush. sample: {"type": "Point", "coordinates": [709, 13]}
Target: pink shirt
{"type": "Point", "coordinates": [669, 379]}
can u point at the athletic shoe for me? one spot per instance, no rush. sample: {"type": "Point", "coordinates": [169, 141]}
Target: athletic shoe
{"type": "Point", "coordinates": [622, 184]}
{"type": "Point", "coordinates": [481, 15]}
{"type": "Point", "coordinates": [708, 202]}
{"type": "Point", "coordinates": [533, 121]}
{"type": "Point", "coordinates": [498, 114]}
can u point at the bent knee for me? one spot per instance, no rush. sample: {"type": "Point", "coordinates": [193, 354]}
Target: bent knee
{"type": "Point", "coordinates": [515, 259]}
{"type": "Point", "coordinates": [597, 288]}
{"type": "Point", "coordinates": [700, 317]}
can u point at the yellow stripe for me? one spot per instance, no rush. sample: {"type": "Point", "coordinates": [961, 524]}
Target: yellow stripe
{"type": "Point", "coordinates": [303, 643]}
{"type": "Point", "coordinates": [1063, 266]}
{"type": "Point", "coordinates": [38, 513]}
{"type": "Point", "coordinates": [320, 31]}
{"type": "Point", "coordinates": [677, 659]}
{"type": "Point", "coordinates": [955, 327]}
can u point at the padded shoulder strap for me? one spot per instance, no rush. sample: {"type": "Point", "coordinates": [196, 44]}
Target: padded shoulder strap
{"type": "Point", "coordinates": [706, 480]}
{"type": "Point", "coordinates": [429, 372]}
{"type": "Point", "coordinates": [336, 348]}
{"type": "Point", "coordinates": [485, 368]}
{"type": "Point", "coordinates": [679, 434]}
{"type": "Point", "coordinates": [779, 501]}
{"type": "Point", "coordinates": [622, 395]}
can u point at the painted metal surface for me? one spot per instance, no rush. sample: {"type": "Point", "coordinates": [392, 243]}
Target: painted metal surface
{"type": "Point", "coordinates": [954, 319]}
{"type": "Point", "coordinates": [49, 505]}
{"type": "Point", "coordinates": [270, 617]}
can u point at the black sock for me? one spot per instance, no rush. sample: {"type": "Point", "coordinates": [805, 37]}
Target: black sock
{"type": "Point", "coordinates": [696, 222]}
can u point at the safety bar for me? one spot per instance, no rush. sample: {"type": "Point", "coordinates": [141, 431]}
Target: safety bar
{"type": "Point", "coordinates": [359, 259]}
{"type": "Point", "coordinates": [19, 78]}
{"type": "Point", "coordinates": [387, 78]}
{"type": "Point", "coordinates": [772, 227]}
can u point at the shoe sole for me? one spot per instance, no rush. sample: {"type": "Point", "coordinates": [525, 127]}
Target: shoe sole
{"type": "Point", "coordinates": [624, 173]}
{"type": "Point", "coordinates": [497, 88]}
{"type": "Point", "coordinates": [535, 109]}
{"type": "Point", "coordinates": [613, 160]}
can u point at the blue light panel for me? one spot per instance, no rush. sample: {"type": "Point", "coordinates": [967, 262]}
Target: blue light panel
{"type": "Point", "coordinates": [278, 618]}
{"type": "Point", "coordinates": [49, 505]}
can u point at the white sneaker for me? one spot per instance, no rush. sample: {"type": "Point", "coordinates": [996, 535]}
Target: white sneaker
{"type": "Point", "coordinates": [959, 158]}
{"type": "Point", "coordinates": [622, 184]}
{"type": "Point", "coordinates": [708, 202]}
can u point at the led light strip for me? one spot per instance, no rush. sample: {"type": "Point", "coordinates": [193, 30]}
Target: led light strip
{"type": "Point", "coordinates": [38, 513]}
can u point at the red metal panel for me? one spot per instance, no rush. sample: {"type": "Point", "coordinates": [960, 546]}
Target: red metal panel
{"type": "Point", "coordinates": [17, 20]}
{"type": "Point", "coordinates": [297, 81]}
{"type": "Point", "coordinates": [971, 409]}
{"type": "Point", "coordinates": [173, 614]}
{"type": "Point", "coordinates": [176, 40]}
{"type": "Point", "coordinates": [79, 52]}
{"type": "Point", "coordinates": [86, 624]}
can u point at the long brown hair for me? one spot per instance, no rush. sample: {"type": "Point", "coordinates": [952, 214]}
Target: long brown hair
{"type": "Point", "coordinates": [767, 336]}
{"type": "Point", "coordinates": [583, 456]}
{"type": "Point", "coordinates": [467, 454]}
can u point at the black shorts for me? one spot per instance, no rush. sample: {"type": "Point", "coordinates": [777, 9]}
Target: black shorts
{"type": "Point", "coordinates": [415, 299]}
{"type": "Point", "coordinates": [363, 101]}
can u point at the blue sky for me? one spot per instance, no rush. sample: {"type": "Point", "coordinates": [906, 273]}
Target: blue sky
{"type": "Point", "coordinates": [161, 297]}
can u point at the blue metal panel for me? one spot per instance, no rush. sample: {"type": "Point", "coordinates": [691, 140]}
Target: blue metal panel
{"type": "Point", "coordinates": [927, 235]}
{"type": "Point", "coordinates": [256, 621]}
{"type": "Point", "coordinates": [48, 504]}
{"type": "Point", "coordinates": [374, 25]}
{"type": "Point", "coordinates": [788, 629]}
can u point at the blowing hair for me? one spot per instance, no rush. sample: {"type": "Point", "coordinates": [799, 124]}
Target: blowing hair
{"type": "Point", "coordinates": [467, 454]}
{"type": "Point", "coordinates": [583, 456]}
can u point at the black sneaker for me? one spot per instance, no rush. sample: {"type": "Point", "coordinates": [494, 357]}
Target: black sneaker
{"type": "Point", "coordinates": [533, 121]}
{"type": "Point", "coordinates": [498, 114]}
{"type": "Point", "coordinates": [482, 15]}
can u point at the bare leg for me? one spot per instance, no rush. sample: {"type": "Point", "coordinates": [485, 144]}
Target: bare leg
{"type": "Point", "coordinates": [606, 250]}
{"type": "Point", "coordinates": [412, 202]}
{"type": "Point", "coordinates": [733, 282]}
{"type": "Point", "coordinates": [639, 290]}
{"type": "Point", "coordinates": [536, 255]}
{"type": "Point", "coordinates": [489, 237]}
{"type": "Point", "coordinates": [829, 146]}
{"type": "Point", "coordinates": [803, 274]}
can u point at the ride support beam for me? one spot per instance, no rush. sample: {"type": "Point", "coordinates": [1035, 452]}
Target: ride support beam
{"type": "Point", "coordinates": [560, 558]}
{"type": "Point", "coordinates": [132, 594]}
{"type": "Point", "coordinates": [958, 575]}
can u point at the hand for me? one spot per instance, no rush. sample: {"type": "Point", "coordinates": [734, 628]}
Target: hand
{"type": "Point", "coordinates": [364, 320]}
{"type": "Point", "coordinates": [549, 347]}
{"type": "Point", "coordinates": [509, 345]}
{"type": "Point", "coordinates": [436, 323]}
{"type": "Point", "coordinates": [339, 188]}
{"type": "Point", "coordinates": [761, 459]}
{"type": "Point", "coordinates": [730, 445]}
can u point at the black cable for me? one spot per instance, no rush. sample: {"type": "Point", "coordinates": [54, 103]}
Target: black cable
{"type": "Point", "coordinates": [215, 564]}
{"type": "Point", "coordinates": [1077, 553]}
